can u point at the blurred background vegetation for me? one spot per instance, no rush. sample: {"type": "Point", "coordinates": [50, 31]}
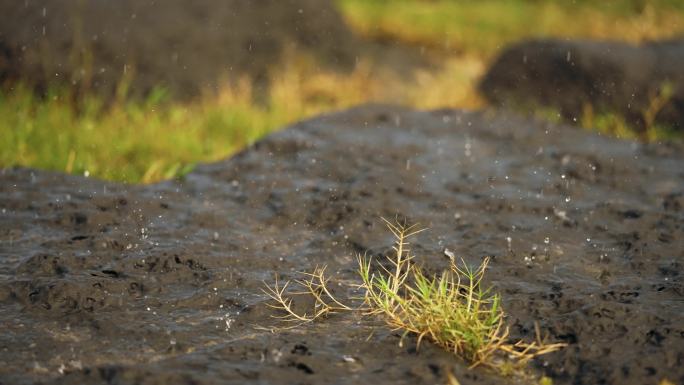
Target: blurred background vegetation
{"type": "Point", "coordinates": [157, 137]}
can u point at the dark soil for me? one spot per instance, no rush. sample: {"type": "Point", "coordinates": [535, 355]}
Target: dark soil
{"type": "Point", "coordinates": [606, 76]}
{"type": "Point", "coordinates": [185, 46]}
{"type": "Point", "coordinates": [156, 284]}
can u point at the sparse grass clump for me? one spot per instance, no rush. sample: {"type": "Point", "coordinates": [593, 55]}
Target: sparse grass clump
{"type": "Point", "coordinates": [453, 309]}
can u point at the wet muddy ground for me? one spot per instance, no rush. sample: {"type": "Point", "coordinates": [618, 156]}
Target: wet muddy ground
{"type": "Point", "coordinates": [156, 284]}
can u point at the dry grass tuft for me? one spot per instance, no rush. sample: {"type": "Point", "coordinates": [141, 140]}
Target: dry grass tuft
{"type": "Point", "coordinates": [452, 310]}
{"type": "Point", "coordinates": [314, 285]}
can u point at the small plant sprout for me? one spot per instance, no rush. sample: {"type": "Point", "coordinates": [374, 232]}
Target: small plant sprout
{"type": "Point", "coordinates": [451, 309]}
{"type": "Point", "coordinates": [315, 285]}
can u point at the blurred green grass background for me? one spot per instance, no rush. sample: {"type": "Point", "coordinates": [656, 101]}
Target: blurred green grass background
{"type": "Point", "coordinates": [157, 138]}
{"type": "Point", "coordinates": [483, 27]}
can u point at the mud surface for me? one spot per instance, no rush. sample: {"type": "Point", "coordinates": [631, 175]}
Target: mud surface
{"type": "Point", "coordinates": [107, 283]}
{"type": "Point", "coordinates": [573, 76]}
{"type": "Point", "coordinates": [186, 47]}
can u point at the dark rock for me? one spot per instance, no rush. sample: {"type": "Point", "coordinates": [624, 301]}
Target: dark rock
{"type": "Point", "coordinates": [608, 76]}
{"type": "Point", "coordinates": [186, 46]}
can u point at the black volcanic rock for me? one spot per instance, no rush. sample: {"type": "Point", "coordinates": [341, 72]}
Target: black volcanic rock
{"type": "Point", "coordinates": [608, 76]}
{"type": "Point", "coordinates": [185, 46]}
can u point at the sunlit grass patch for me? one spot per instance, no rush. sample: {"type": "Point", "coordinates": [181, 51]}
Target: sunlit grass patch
{"type": "Point", "coordinates": [484, 27]}
{"type": "Point", "coordinates": [611, 123]}
{"type": "Point", "coordinates": [156, 138]}
{"type": "Point", "coordinates": [454, 85]}
{"type": "Point", "coordinates": [132, 141]}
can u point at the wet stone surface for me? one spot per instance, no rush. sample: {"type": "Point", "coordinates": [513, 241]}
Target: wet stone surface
{"type": "Point", "coordinates": [155, 284]}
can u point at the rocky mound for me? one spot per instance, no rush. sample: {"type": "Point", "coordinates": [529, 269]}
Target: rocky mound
{"type": "Point", "coordinates": [608, 76]}
{"type": "Point", "coordinates": [185, 46]}
{"type": "Point", "coordinates": [108, 283]}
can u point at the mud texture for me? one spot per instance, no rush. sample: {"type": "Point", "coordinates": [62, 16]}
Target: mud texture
{"type": "Point", "coordinates": [606, 76]}
{"type": "Point", "coordinates": [188, 47]}
{"type": "Point", "coordinates": [107, 283]}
